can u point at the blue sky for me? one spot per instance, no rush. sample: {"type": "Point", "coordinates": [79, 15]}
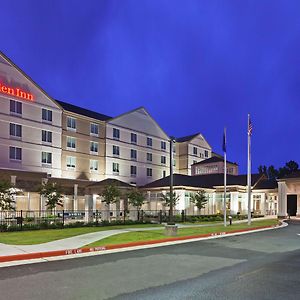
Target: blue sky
{"type": "Point", "coordinates": [196, 66]}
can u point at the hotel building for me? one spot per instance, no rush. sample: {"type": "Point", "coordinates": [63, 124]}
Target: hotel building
{"type": "Point", "coordinates": [44, 139]}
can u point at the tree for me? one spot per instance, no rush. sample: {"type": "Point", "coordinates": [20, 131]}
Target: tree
{"type": "Point", "coordinates": [292, 166]}
{"type": "Point", "coordinates": [199, 199]}
{"type": "Point", "coordinates": [136, 198]}
{"type": "Point", "coordinates": [167, 201]}
{"type": "Point", "coordinates": [272, 172]}
{"type": "Point", "coordinates": [52, 193]}
{"type": "Point", "coordinates": [262, 169]}
{"type": "Point", "coordinates": [7, 193]}
{"type": "Point", "coordinates": [110, 194]}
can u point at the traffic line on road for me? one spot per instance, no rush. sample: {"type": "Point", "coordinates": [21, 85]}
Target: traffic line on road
{"type": "Point", "coordinates": [42, 256]}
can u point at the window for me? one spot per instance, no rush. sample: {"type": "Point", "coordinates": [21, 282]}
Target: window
{"type": "Point", "coordinates": [115, 167]}
{"type": "Point", "coordinates": [133, 154]}
{"type": "Point", "coordinates": [15, 130]}
{"type": "Point", "coordinates": [164, 173]}
{"type": "Point", "coordinates": [71, 142]}
{"type": "Point", "coordinates": [46, 136]}
{"type": "Point", "coordinates": [71, 123]}
{"type": "Point", "coordinates": [46, 115]}
{"type": "Point", "coordinates": [149, 172]}
{"type": "Point", "coordinates": [163, 160]}
{"type": "Point", "coordinates": [15, 153]}
{"type": "Point", "coordinates": [116, 133]}
{"type": "Point", "coordinates": [133, 171]}
{"type": "Point", "coordinates": [149, 156]}
{"type": "Point", "coordinates": [71, 162]}
{"type": "Point", "coordinates": [94, 129]}
{"type": "Point", "coordinates": [46, 158]}
{"type": "Point", "coordinates": [149, 142]}
{"type": "Point", "coordinates": [93, 165]}
{"type": "Point", "coordinates": [174, 149]}
{"type": "Point", "coordinates": [195, 150]}
{"type": "Point", "coordinates": [163, 145]}
{"type": "Point", "coordinates": [94, 147]}
{"type": "Point", "coordinates": [133, 138]}
{"type": "Point", "coordinates": [205, 153]}
{"type": "Point", "coordinates": [116, 150]}
{"type": "Point", "coordinates": [16, 107]}
{"type": "Point", "coordinates": [174, 162]}
{"type": "Point", "coordinates": [194, 161]}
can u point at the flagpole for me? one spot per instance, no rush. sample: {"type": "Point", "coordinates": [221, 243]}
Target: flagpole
{"type": "Point", "coordinates": [225, 175]}
{"type": "Point", "coordinates": [249, 172]}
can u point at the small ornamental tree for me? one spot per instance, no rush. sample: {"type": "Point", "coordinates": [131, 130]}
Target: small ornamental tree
{"type": "Point", "coordinates": [52, 193]}
{"type": "Point", "coordinates": [110, 194]}
{"type": "Point", "coordinates": [167, 201]}
{"type": "Point", "coordinates": [199, 199]}
{"type": "Point", "coordinates": [136, 198]}
{"type": "Point", "coordinates": [7, 193]}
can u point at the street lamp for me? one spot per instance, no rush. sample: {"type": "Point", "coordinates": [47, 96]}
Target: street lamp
{"type": "Point", "coordinates": [172, 141]}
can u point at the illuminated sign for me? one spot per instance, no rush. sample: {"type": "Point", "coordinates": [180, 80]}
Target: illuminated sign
{"type": "Point", "coordinates": [16, 92]}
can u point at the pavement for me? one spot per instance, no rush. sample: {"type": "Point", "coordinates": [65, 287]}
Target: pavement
{"type": "Point", "coordinates": [263, 265]}
{"type": "Point", "coordinates": [85, 239]}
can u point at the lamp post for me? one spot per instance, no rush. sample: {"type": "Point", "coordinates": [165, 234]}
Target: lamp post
{"type": "Point", "coordinates": [172, 141]}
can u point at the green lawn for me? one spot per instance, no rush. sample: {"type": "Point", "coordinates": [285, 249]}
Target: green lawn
{"type": "Point", "coordinates": [42, 236]}
{"type": "Point", "coordinates": [159, 234]}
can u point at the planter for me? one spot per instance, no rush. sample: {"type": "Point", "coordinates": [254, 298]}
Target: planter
{"type": "Point", "coordinates": [171, 230]}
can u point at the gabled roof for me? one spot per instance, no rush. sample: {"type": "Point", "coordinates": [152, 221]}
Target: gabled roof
{"type": "Point", "coordinates": [83, 111]}
{"type": "Point", "coordinates": [186, 138]}
{"type": "Point", "coordinates": [204, 181]}
{"type": "Point", "coordinates": [266, 184]}
{"type": "Point", "coordinates": [142, 110]}
{"type": "Point", "coordinates": [213, 159]}
{"type": "Point", "coordinates": [110, 181]}
{"type": "Point", "coordinates": [11, 63]}
{"type": "Point", "coordinates": [295, 174]}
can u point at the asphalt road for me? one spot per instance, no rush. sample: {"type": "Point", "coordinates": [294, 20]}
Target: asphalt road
{"type": "Point", "coordinates": [263, 265]}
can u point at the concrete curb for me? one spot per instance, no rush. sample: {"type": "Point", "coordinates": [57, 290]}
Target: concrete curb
{"type": "Point", "coordinates": [133, 245]}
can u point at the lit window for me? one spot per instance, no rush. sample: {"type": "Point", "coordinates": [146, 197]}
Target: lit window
{"type": "Point", "coordinates": [15, 153]}
{"type": "Point", "coordinates": [46, 115]}
{"type": "Point", "coordinates": [71, 123]}
{"type": "Point", "coordinates": [15, 130]}
{"type": "Point", "coordinates": [71, 142]}
{"type": "Point", "coordinates": [93, 165]}
{"type": "Point", "coordinates": [94, 147]}
{"type": "Point", "coordinates": [71, 162]}
{"type": "Point", "coordinates": [47, 158]}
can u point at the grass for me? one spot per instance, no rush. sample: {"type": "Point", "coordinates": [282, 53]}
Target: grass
{"type": "Point", "coordinates": [42, 236]}
{"type": "Point", "coordinates": [159, 234]}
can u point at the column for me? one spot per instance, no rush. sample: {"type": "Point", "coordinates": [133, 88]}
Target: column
{"type": "Point", "coordinates": [263, 203]}
{"type": "Point", "coordinates": [42, 198]}
{"type": "Point", "coordinates": [298, 206]}
{"type": "Point", "coordinates": [75, 199]}
{"type": "Point", "coordinates": [282, 199]}
{"type": "Point", "coordinates": [28, 201]}
{"type": "Point", "coordinates": [88, 206]}
{"type": "Point", "coordinates": [234, 202]}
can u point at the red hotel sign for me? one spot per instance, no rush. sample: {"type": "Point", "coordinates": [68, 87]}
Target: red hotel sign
{"type": "Point", "coordinates": [15, 92]}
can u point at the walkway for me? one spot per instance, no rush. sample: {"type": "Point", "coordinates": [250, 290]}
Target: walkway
{"type": "Point", "coordinates": [84, 239]}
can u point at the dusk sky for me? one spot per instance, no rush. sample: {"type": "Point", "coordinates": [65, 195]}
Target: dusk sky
{"type": "Point", "coordinates": [196, 66]}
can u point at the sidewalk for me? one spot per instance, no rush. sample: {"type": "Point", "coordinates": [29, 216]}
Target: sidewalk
{"type": "Point", "coordinates": [79, 241]}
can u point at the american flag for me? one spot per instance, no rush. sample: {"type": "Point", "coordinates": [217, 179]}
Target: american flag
{"type": "Point", "coordinates": [250, 127]}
